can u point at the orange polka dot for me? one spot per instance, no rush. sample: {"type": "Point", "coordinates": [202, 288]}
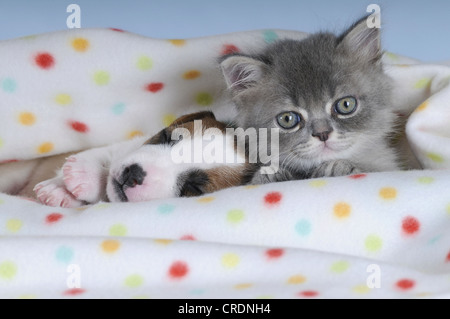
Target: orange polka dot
{"type": "Point", "coordinates": [192, 74]}
{"type": "Point", "coordinates": [342, 210]}
{"type": "Point", "coordinates": [207, 199]}
{"type": "Point", "coordinates": [45, 148]}
{"type": "Point", "coordinates": [388, 193]}
{"type": "Point", "coordinates": [178, 42]}
{"type": "Point", "coordinates": [27, 118]}
{"type": "Point", "coordinates": [422, 106]}
{"type": "Point", "coordinates": [296, 279]}
{"type": "Point", "coordinates": [243, 286]}
{"type": "Point", "coordinates": [80, 44]}
{"type": "Point", "coordinates": [134, 134]}
{"type": "Point", "coordinates": [110, 246]}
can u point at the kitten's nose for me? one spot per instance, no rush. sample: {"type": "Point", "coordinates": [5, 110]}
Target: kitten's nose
{"type": "Point", "coordinates": [321, 129]}
{"type": "Point", "coordinates": [323, 136]}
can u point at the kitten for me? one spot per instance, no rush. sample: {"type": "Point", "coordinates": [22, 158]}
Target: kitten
{"type": "Point", "coordinates": [329, 97]}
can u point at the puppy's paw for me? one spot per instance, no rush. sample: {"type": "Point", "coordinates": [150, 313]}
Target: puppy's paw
{"type": "Point", "coordinates": [85, 179]}
{"type": "Point", "coordinates": [52, 192]}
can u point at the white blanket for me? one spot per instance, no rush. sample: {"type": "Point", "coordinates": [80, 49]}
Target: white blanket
{"type": "Point", "coordinates": [365, 236]}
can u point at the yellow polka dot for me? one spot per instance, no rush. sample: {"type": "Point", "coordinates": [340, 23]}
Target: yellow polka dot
{"type": "Point", "coordinates": [101, 206]}
{"type": "Point", "coordinates": [63, 99]}
{"type": "Point", "coordinates": [243, 286]}
{"type": "Point", "coordinates": [296, 280]}
{"type": "Point", "coordinates": [230, 260]}
{"type": "Point", "coordinates": [422, 106]}
{"type": "Point", "coordinates": [388, 193]}
{"type": "Point", "coordinates": [163, 241]}
{"type": "Point", "coordinates": [110, 246]}
{"type": "Point", "coordinates": [134, 281]}
{"type": "Point", "coordinates": [118, 230]}
{"type": "Point", "coordinates": [27, 118]}
{"type": "Point", "coordinates": [178, 42]}
{"type": "Point", "coordinates": [392, 56]}
{"type": "Point", "coordinates": [168, 119]}
{"type": "Point", "coordinates": [361, 289]}
{"type": "Point", "coordinates": [45, 148]}
{"type": "Point", "coordinates": [80, 44]}
{"type": "Point", "coordinates": [1, 143]}
{"type": "Point", "coordinates": [342, 210]}
{"type": "Point", "coordinates": [422, 83]}
{"type": "Point", "coordinates": [14, 225]}
{"type": "Point", "coordinates": [134, 134]}
{"type": "Point", "coordinates": [373, 243]}
{"type": "Point", "coordinates": [207, 199]}
{"type": "Point", "coordinates": [317, 183]}
{"type": "Point", "coordinates": [339, 267]}
{"type": "Point", "coordinates": [144, 63]}
{"type": "Point", "coordinates": [435, 157]}
{"type": "Point", "coordinates": [448, 209]}
{"type": "Point", "coordinates": [192, 74]}
{"type": "Point", "coordinates": [251, 186]}
{"type": "Point", "coordinates": [204, 99]}
{"type": "Point", "coordinates": [8, 270]}
{"type": "Point", "coordinates": [27, 297]}
{"type": "Point", "coordinates": [101, 77]}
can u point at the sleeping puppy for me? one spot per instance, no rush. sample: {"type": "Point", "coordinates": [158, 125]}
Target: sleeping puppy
{"type": "Point", "coordinates": [191, 157]}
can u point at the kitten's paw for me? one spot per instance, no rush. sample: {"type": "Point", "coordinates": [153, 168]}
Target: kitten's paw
{"type": "Point", "coordinates": [52, 192]}
{"type": "Point", "coordinates": [84, 179]}
{"type": "Point", "coordinates": [335, 168]}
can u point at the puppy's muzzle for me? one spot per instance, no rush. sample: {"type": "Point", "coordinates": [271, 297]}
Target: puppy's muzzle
{"type": "Point", "coordinates": [131, 176]}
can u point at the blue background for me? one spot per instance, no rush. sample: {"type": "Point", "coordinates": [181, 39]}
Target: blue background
{"type": "Point", "coordinates": [419, 29]}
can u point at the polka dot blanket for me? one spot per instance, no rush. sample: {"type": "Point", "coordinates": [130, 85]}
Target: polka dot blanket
{"type": "Point", "coordinates": [377, 235]}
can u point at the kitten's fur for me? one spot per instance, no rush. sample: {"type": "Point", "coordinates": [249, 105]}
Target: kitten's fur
{"type": "Point", "coordinates": [308, 77]}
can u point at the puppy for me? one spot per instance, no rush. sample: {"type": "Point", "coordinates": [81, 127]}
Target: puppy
{"type": "Point", "coordinates": [193, 156]}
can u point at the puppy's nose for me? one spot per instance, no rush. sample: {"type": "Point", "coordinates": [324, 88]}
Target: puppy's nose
{"type": "Point", "coordinates": [133, 175]}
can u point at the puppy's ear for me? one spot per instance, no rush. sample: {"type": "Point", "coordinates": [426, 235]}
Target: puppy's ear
{"type": "Point", "coordinates": [192, 117]}
{"type": "Point", "coordinates": [241, 72]}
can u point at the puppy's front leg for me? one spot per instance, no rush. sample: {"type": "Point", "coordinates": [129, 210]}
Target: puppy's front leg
{"type": "Point", "coordinates": [83, 176]}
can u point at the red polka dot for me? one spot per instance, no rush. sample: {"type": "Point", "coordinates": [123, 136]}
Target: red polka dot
{"type": "Point", "coordinates": [9, 161]}
{"type": "Point", "coordinates": [405, 284]}
{"type": "Point", "coordinates": [154, 87]}
{"type": "Point", "coordinates": [44, 60]}
{"type": "Point", "coordinates": [448, 257]}
{"type": "Point", "coordinates": [178, 270]}
{"type": "Point", "coordinates": [187, 237]}
{"type": "Point", "coordinates": [79, 126]}
{"type": "Point", "coordinates": [272, 198]}
{"type": "Point", "coordinates": [410, 225]}
{"type": "Point", "coordinates": [116, 29]}
{"type": "Point", "coordinates": [229, 49]}
{"type": "Point", "coordinates": [308, 293]}
{"type": "Point", "coordinates": [74, 292]}
{"type": "Point", "coordinates": [357, 176]}
{"type": "Point", "coordinates": [274, 253]}
{"type": "Point", "coordinates": [53, 218]}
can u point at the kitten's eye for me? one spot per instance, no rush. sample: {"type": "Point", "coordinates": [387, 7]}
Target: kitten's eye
{"type": "Point", "coordinates": [288, 120]}
{"type": "Point", "coordinates": [346, 105]}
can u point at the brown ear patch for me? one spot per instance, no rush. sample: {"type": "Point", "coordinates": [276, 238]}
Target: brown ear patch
{"type": "Point", "coordinates": [192, 117]}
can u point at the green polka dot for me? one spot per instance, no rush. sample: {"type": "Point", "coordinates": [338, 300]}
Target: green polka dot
{"type": "Point", "coordinates": [235, 216]}
{"type": "Point", "coordinates": [447, 208]}
{"type": "Point", "coordinates": [425, 180]}
{"type": "Point", "coordinates": [9, 85]}
{"type": "Point", "coordinates": [270, 36]}
{"type": "Point", "coordinates": [339, 267]}
{"type": "Point", "coordinates": [8, 270]}
{"type": "Point", "coordinates": [166, 208]}
{"type": "Point", "coordinates": [1, 143]}
{"type": "Point", "coordinates": [422, 83]}
{"type": "Point", "coordinates": [64, 254]}
{"type": "Point", "coordinates": [13, 225]}
{"type": "Point", "coordinates": [1, 201]}
{"type": "Point", "coordinates": [435, 157]}
{"type": "Point", "coordinates": [118, 230]}
{"type": "Point", "coordinates": [134, 281]}
{"type": "Point", "coordinates": [392, 56]}
{"type": "Point", "coordinates": [118, 108]}
{"type": "Point", "coordinates": [373, 243]}
{"type": "Point", "coordinates": [101, 77]}
{"type": "Point", "coordinates": [144, 63]}
{"type": "Point", "coordinates": [204, 99]}
{"type": "Point", "coordinates": [303, 227]}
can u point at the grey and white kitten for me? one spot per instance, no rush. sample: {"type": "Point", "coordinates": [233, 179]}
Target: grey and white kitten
{"type": "Point", "coordinates": [329, 97]}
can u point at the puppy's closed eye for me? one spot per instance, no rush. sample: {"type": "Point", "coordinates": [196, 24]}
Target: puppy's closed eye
{"type": "Point", "coordinates": [192, 183]}
{"type": "Point", "coordinates": [163, 137]}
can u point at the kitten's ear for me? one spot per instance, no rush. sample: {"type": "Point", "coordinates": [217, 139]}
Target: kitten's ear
{"type": "Point", "coordinates": [362, 41]}
{"type": "Point", "coordinates": [241, 72]}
